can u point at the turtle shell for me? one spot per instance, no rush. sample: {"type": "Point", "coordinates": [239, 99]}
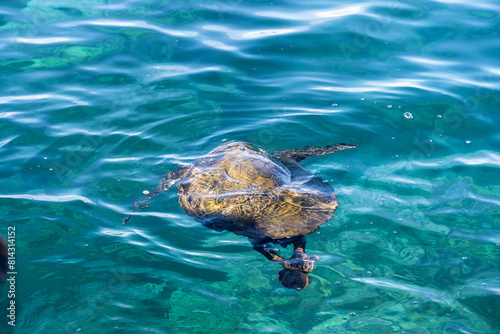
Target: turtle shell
{"type": "Point", "coordinates": [248, 192]}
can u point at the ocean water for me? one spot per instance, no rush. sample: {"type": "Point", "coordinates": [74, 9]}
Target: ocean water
{"type": "Point", "coordinates": [100, 98]}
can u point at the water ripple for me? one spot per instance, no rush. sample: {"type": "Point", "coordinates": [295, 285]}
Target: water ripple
{"type": "Point", "coordinates": [49, 198]}
{"type": "Point", "coordinates": [100, 99]}
{"type": "Point", "coordinates": [253, 34]}
{"type": "Point", "coordinates": [129, 24]}
{"type": "Point", "coordinates": [46, 40]}
{"type": "Point", "coordinates": [315, 16]}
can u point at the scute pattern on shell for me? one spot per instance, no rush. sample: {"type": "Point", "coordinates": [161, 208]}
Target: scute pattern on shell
{"type": "Point", "coordinates": [242, 190]}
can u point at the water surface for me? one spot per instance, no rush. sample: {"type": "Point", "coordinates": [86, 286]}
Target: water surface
{"type": "Point", "coordinates": [100, 98]}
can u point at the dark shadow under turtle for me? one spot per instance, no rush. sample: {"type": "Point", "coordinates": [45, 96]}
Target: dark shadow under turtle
{"type": "Point", "coordinates": [267, 197]}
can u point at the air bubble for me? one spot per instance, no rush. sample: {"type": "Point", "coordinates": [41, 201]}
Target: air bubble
{"type": "Point", "coordinates": [335, 105]}
{"type": "Point", "coordinates": [389, 106]}
{"type": "Point", "coordinates": [145, 192]}
{"type": "Point", "coordinates": [467, 142]}
{"type": "Point", "coordinates": [408, 115]}
{"type": "Point", "coordinates": [352, 314]}
{"type": "Point", "coordinates": [439, 116]}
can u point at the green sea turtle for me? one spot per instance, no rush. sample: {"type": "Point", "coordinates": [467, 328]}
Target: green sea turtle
{"type": "Point", "coordinates": [267, 197]}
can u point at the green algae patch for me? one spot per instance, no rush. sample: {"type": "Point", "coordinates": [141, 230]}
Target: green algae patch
{"type": "Point", "coordinates": [192, 312]}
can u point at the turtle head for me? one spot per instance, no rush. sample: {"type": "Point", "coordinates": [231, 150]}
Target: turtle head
{"type": "Point", "coordinates": [300, 261]}
{"type": "Point", "coordinates": [294, 279]}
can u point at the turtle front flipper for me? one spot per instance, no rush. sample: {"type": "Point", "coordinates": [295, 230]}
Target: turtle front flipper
{"type": "Point", "coordinates": [166, 182]}
{"type": "Point", "coordinates": [267, 250]}
{"type": "Point", "coordinates": [312, 151]}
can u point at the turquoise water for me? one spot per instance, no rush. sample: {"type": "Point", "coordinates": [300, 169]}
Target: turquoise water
{"type": "Point", "coordinates": [100, 98]}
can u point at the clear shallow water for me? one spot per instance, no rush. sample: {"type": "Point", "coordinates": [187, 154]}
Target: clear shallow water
{"type": "Point", "coordinates": [101, 98]}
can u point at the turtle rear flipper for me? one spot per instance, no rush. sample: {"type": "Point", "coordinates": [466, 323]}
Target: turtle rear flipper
{"type": "Point", "coordinates": [313, 151]}
{"type": "Point", "coordinates": [166, 182]}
